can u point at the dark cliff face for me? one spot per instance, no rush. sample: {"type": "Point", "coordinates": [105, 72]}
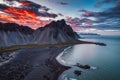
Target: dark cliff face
{"type": "Point", "coordinates": [15, 27]}
{"type": "Point", "coordinates": [55, 32]}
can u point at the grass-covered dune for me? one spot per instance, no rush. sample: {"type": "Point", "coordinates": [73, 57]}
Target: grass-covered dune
{"type": "Point", "coordinates": [17, 47]}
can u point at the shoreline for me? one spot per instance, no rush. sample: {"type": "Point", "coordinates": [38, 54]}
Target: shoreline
{"type": "Point", "coordinates": [44, 59]}
{"type": "Point", "coordinates": [71, 43]}
{"type": "Point", "coordinates": [29, 66]}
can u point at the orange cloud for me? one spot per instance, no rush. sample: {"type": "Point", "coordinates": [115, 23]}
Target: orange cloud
{"type": "Point", "coordinates": [22, 17]}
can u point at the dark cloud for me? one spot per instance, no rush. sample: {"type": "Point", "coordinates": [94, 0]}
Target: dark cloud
{"type": "Point", "coordinates": [109, 13]}
{"type": "Point", "coordinates": [77, 22]}
{"type": "Point", "coordinates": [100, 3]}
{"type": "Point", "coordinates": [60, 14]}
{"type": "Point", "coordinates": [62, 3]}
{"type": "Point", "coordinates": [3, 6]}
{"type": "Point", "coordinates": [87, 13]}
{"type": "Point", "coordinates": [110, 16]}
{"type": "Point", "coordinates": [118, 4]}
{"type": "Point", "coordinates": [32, 7]}
{"type": "Point", "coordinates": [25, 13]}
{"type": "Point", "coordinates": [110, 1]}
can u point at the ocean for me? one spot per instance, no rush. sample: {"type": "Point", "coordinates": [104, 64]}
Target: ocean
{"type": "Point", "coordinates": [106, 59]}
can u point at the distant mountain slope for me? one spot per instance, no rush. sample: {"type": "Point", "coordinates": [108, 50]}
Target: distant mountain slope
{"type": "Point", "coordinates": [55, 32]}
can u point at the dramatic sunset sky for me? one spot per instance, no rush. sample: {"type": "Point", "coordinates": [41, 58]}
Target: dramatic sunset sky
{"type": "Point", "coordinates": [102, 14]}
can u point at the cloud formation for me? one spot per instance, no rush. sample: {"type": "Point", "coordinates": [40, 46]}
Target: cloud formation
{"type": "Point", "coordinates": [32, 7]}
{"type": "Point", "coordinates": [109, 18]}
{"type": "Point", "coordinates": [62, 3]}
{"type": "Point", "coordinates": [77, 22]}
{"type": "Point", "coordinates": [108, 15]}
{"type": "Point", "coordinates": [25, 12]}
{"type": "Point", "coordinates": [100, 3]}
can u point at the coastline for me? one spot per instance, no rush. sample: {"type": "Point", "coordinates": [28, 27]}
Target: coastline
{"type": "Point", "coordinates": [30, 62]}
{"type": "Point", "coordinates": [29, 67]}
{"type": "Point", "coordinates": [70, 43]}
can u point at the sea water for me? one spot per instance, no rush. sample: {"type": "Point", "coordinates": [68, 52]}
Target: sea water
{"type": "Point", "coordinates": [104, 59]}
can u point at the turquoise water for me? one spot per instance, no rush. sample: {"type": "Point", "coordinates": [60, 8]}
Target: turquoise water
{"type": "Point", "coordinates": [105, 58]}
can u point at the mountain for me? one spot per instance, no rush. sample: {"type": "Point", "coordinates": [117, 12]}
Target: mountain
{"type": "Point", "coordinates": [55, 32]}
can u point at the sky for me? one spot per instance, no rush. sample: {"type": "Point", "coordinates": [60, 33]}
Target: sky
{"type": "Point", "coordinates": [95, 14]}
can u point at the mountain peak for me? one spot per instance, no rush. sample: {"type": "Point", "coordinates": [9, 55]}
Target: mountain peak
{"type": "Point", "coordinates": [62, 21]}
{"type": "Point", "coordinates": [59, 26]}
{"type": "Point", "coordinates": [58, 23]}
{"type": "Point", "coordinates": [55, 32]}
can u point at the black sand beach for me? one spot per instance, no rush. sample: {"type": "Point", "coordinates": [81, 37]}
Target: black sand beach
{"type": "Point", "coordinates": [33, 64]}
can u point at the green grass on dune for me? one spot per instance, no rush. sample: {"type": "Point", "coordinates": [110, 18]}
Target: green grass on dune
{"type": "Point", "coordinates": [17, 47]}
